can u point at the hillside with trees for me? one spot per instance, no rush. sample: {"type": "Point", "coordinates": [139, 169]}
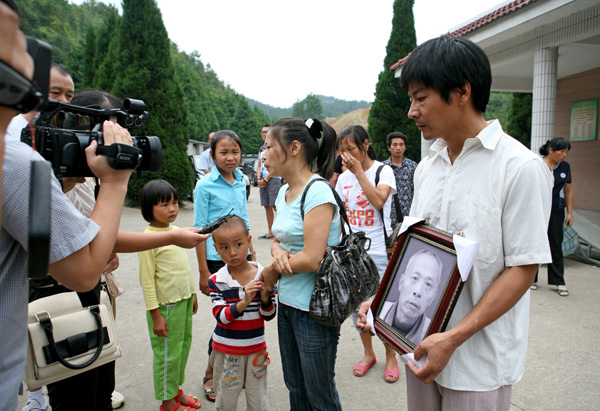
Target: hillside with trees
{"type": "Point", "coordinates": [131, 56]}
{"type": "Point", "coordinates": [331, 107]}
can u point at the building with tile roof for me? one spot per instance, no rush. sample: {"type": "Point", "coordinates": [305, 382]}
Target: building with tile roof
{"type": "Point", "coordinates": [550, 48]}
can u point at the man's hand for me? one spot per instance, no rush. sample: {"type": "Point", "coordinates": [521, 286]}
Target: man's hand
{"type": "Point", "coordinates": [439, 348]}
{"type": "Point", "coordinates": [188, 237]}
{"type": "Point", "coordinates": [569, 220]}
{"type": "Point", "coordinates": [262, 183]}
{"type": "Point", "coordinates": [113, 133]}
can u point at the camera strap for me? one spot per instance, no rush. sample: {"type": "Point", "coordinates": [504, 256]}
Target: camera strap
{"type": "Point", "coordinates": [121, 156]}
{"type": "Point", "coordinates": [18, 92]}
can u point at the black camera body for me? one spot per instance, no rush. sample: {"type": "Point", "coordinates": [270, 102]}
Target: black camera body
{"type": "Point", "coordinates": [63, 131]}
{"type": "Point", "coordinates": [20, 93]}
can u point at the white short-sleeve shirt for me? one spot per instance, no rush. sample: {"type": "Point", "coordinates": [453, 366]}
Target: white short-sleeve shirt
{"type": "Point", "coordinates": [498, 193]}
{"type": "Point", "coordinates": [363, 216]}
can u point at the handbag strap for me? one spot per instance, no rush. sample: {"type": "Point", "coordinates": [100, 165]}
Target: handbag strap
{"type": "Point", "coordinates": [46, 324]}
{"type": "Point", "coordinates": [338, 200]}
{"type": "Point", "coordinates": [399, 215]}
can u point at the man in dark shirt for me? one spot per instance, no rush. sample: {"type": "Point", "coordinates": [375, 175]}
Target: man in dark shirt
{"type": "Point", "coordinates": [404, 170]}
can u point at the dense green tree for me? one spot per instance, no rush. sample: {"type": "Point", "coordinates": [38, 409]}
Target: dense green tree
{"type": "Point", "coordinates": [89, 69]}
{"type": "Point", "coordinates": [390, 108]}
{"type": "Point", "coordinates": [145, 71]}
{"type": "Point", "coordinates": [519, 119]}
{"type": "Point", "coordinates": [106, 50]}
{"type": "Point", "coordinates": [311, 107]}
{"type": "Point", "coordinates": [245, 124]}
{"type": "Point", "coordinates": [63, 26]}
{"type": "Point", "coordinates": [197, 99]}
{"type": "Point", "coordinates": [499, 107]}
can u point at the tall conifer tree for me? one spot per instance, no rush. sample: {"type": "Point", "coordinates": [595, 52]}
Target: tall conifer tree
{"type": "Point", "coordinates": [390, 108]}
{"type": "Point", "coordinates": [145, 71]}
{"type": "Point", "coordinates": [106, 50]}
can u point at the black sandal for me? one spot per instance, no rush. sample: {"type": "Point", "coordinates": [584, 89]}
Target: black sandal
{"type": "Point", "coordinates": [209, 393]}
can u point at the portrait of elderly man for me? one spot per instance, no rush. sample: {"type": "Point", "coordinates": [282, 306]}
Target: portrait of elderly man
{"type": "Point", "coordinates": [418, 288]}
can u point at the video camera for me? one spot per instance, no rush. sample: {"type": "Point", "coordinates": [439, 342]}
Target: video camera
{"type": "Point", "coordinates": [63, 131]}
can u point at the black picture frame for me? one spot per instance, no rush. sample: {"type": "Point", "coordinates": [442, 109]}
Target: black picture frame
{"type": "Point", "coordinates": [411, 305]}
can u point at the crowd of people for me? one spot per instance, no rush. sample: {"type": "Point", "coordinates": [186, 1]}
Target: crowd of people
{"type": "Point", "coordinates": [475, 179]}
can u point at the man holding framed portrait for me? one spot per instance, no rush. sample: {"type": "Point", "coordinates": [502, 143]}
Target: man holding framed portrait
{"type": "Point", "coordinates": [478, 180]}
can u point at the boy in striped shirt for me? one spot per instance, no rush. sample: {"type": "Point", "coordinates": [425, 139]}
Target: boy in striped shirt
{"type": "Point", "coordinates": [241, 303]}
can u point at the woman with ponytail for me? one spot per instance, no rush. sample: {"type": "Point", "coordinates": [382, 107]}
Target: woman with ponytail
{"type": "Point", "coordinates": [308, 348]}
{"type": "Point", "coordinates": [554, 153]}
{"type": "Point", "coordinates": [367, 187]}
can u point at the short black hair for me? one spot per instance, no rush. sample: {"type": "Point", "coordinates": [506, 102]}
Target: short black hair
{"type": "Point", "coordinates": [231, 222]}
{"type": "Point", "coordinates": [154, 192]}
{"type": "Point", "coordinates": [359, 135]}
{"type": "Point", "coordinates": [98, 98]}
{"type": "Point", "coordinates": [61, 69]}
{"type": "Point", "coordinates": [447, 63]}
{"type": "Point", "coordinates": [556, 144]}
{"type": "Point", "coordinates": [393, 135]}
{"type": "Point", "coordinates": [220, 135]}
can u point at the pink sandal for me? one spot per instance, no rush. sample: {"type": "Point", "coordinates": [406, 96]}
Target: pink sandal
{"type": "Point", "coordinates": [363, 368]}
{"type": "Point", "coordinates": [394, 374]}
{"type": "Point", "coordinates": [192, 402]}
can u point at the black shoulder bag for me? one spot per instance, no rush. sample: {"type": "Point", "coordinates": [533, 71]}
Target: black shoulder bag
{"type": "Point", "coordinates": [346, 277]}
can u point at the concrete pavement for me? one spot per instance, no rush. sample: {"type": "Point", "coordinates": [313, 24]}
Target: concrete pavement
{"type": "Point", "coordinates": [562, 371]}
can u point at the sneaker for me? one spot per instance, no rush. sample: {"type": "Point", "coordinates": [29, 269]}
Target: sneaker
{"type": "Point", "coordinates": [118, 400]}
{"type": "Point", "coordinates": [34, 405]}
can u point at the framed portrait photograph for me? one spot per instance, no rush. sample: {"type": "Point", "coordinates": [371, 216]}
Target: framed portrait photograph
{"type": "Point", "coordinates": [419, 289]}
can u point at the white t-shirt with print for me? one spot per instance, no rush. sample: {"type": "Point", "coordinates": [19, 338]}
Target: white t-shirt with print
{"type": "Point", "coordinates": [363, 216]}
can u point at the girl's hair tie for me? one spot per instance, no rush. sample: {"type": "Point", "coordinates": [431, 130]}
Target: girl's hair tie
{"type": "Point", "coordinates": [314, 128]}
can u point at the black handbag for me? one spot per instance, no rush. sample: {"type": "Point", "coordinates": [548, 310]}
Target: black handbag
{"type": "Point", "coordinates": [346, 277]}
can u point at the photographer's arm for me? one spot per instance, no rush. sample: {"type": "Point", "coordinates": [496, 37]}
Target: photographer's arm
{"type": "Point", "coordinates": [13, 51]}
{"type": "Point", "coordinates": [81, 270]}
{"type": "Point", "coordinates": [131, 242]}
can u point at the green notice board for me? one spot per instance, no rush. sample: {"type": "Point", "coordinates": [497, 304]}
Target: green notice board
{"type": "Point", "coordinates": [584, 120]}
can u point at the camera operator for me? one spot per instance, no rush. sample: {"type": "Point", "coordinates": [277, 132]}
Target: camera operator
{"type": "Point", "coordinates": [61, 89]}
{"type": "Point", "coordinates": [13, 52]}
{"type": "Point", "coordinates": [79, 247]}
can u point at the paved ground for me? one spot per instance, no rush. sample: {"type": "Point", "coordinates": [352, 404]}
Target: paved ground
{"type": "Point", "coordinates": [562, 371]}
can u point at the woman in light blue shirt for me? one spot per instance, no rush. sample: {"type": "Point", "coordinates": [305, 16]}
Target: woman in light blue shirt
{"type": "Point", "coordinates": [308, 348]}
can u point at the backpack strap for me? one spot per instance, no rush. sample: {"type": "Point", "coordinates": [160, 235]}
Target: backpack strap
{"type": "Point", "coordinates": [381, 209]}
{"type": "Point", "coordinates": [399, 215]}
{"type": "Point", "coordinates": [338, 200]}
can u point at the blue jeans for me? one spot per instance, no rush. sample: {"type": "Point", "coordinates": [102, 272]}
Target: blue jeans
{"type": "Point", "coordinates": [308, 352]}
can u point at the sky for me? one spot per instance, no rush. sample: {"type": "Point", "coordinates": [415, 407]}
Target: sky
{"type": "Point", "coordinates": [279, 51]}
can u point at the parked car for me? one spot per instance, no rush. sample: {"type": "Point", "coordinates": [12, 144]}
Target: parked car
{"type": "Point", "coordinates": [250, 171]}
{"type": "Point", "coordinates": [247, 181]}
{"type": "Point", "coordinates": [195, 162]}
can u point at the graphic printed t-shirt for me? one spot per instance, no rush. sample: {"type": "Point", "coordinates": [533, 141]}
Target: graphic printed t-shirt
{"type": "Point", "coordinates": [363, 216]}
